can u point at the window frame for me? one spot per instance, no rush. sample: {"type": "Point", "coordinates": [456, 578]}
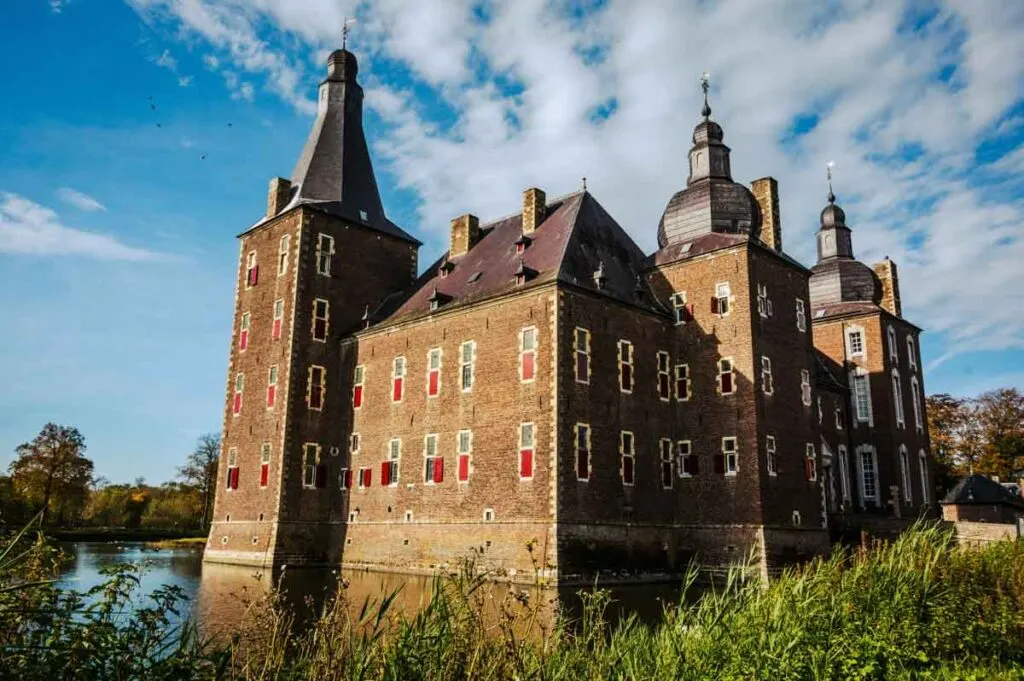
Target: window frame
{"type": "Point", "coordinates": [581, 445]}
{"type": "Point", "coordinates": [806, 396]}
{"type": "Point", "coordinates": [524, 352]}
{"type": "Point", "coordinates": [463, 365]}
{"type": "Point", "coordinates": [897, 398]}
{"type": "Point", "coordinates": [723, 303]}
{"type": "Point", "coordinates": [524, 427]}
{"type": "Point", "coordinates": [231, 477]}
{"type": "Point", "coordinates": [811, 463]}
{"type": "Point", "coordinates": [666, 456]}
{"type": "Point", "coordinates": [858, 332]}
{"type": "Point", "coordinates": [767, 380]}
{"type": "Point", "coordinates": [283, 250]}
{"type": "Point", "coordinates": [394, 461]}
{"type": "Point", "coordinates": [272, 379]}
{"type": "Point", "coordinates": [682, 311]}
{"type": "Point", "coordinates": [265, 456]}
{"type": "Point", "coordinates": [244, 326]}
{"type": "Point", "coordinates": [801, 315]}
{"type": "Point", "coordinates": [311, 471]}
{"type": "Point", "coordinates": [324, 257]}
{"type": "Point", "coordinates": [721, 373]}
{"type": "Point", "coordinates": [624, 364]}
{"type": "Point", "coordinates": [252, 269]}
{"type": "Point", "coordinates": [865, 499]}
{"type": "Point", "coordinates": [922, 462]}
{"type": "Point", "coordinates": [771, 456]}
{"type": "Point", "coordinates": [860, 377]}
{"type": "Point", "coordinates": [313, 369]}
{"type": "Point", "coordinates": [399, 369]}
{"type": "Point", "coordinates": [663, 359]}
{"type": "Point", "coordinates": [434, 372]}
{"type": "Point", "coordinates": [239, 391]}
{"type": "Point", "coordinates": [579, 353]}
{"type": "Point", "coordinates": [277, 328]}
{"type": "Point", "coordinates": [431, 460]}
{"type": "Point", "coordinates": [764, 303]}
{"type": "Point", "coordinates": [684, 470]}
{"type": "Point", "coordinates": [915, 398]}
{"type": "Point", "coordinates": [906, 485]}
{"type": "Point", "coordinates": [730, 471]}
{"type": "Point", "coordinates": [894, 352]}
{"type": "Point", "coordinates": [685, 382]}
{"type": "Point", "coordinates": [844, 474]}
{"type": "Point", "coordinates": [624, 455]}
{"type": "Point", "coordinates": [325, 319]}
{"type": "Point", "coordinates": [911, 352]}
{"type": "Point", "coordinates": [467, 453]}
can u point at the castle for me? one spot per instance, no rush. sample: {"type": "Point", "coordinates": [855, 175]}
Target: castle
{"type": "Point", "coordinates": [548, 394]}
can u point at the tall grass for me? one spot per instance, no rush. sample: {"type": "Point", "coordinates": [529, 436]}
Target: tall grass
{"type": "Point", "coordinates": [919, 607]}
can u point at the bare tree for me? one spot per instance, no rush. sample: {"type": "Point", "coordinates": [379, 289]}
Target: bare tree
{"type": "Point", "coordinates": [200, 471]}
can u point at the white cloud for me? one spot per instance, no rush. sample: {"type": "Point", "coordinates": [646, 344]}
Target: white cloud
{"type": "Point", "coordinates": [79, 200]}
{"type": "Point", "coordinates": [904, 140]}
{"type": "Point", "coordinates": [185, 81]}
{"type": "Point", "coordinates": [167, 61]}
{"type": "Point", "coordinates": [57, 6]}
{"type": "Point", "coordinates": [29, 228]}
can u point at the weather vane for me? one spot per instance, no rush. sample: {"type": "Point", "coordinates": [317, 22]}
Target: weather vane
{"type": "Point", "coordinates": [828, 169]}
{"type": "Point", "coordinates": [705, 85]}
{"type": "Point", "coordinates": [345, 28]}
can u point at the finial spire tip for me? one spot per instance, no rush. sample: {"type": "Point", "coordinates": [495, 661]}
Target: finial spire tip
{"type": "Point", "coordinates": [705, 85]}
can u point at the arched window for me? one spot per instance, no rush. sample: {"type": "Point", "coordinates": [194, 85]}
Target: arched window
{"type": "Point", "coordinates": [908, 495]}
{"type": "Point", "coordinates": [897, 398]}
{"type": "Point", "coordinates": [922, 460]}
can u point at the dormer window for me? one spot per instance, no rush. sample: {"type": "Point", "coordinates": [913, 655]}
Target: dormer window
{"type": "Point", "coordinates": [523, 273]}
{"type": "Point", "coordinates": [437, 299]}
{"type": "Point", "coordinates": [445, 269]}
{"type": "Point", "coordinates": [522, 244]}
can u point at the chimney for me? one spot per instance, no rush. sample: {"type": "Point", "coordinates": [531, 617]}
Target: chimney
{"type": "Point", "coordinates": [766, 191]}
{"type": "Point", "coordinates": [465, 234]}
{"type": "Point", "coordinates": [278, 196]}
{"type": "Point", "coordinates": [886, 271]}
{"type": "Point", "coordinates": [533, 209]}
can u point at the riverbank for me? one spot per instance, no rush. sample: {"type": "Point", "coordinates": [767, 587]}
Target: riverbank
{"type": "Point", "coordinates": [182, 543]}
{"type": "Point", "coordinates": [143, 534]}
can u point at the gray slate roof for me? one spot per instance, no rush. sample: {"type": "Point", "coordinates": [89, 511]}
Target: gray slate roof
{"type": "Point", "coordinates": [979, 490]}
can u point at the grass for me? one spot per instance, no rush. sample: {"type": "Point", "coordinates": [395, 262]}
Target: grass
{"type": "Point", "coordinates": [917, 608]}
{"type": "Point", "coordinates": [184, 542]}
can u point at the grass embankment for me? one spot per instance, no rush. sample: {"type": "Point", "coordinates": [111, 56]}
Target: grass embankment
{"type": "Point", "coordinates": [183, 543]}
{"type": "Point", "coordinates": [914, 609]}
{"type": "Point", "coordinates": [120, 533]}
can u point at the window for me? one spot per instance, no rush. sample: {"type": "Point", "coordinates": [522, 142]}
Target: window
{"type": "Point", "coordinates": [855, 342]}
{"type": "Point", "coordinates": [271, 386]}
{"type": "Point", "coordinates": [526, 450]}
{"type": "Point", "coordinates": [231, 478]}
{"type": "Point", "coordinates": [728, 462]}
{"type": "Point", "coordinates": [811, 464]}
{"type": "Point", "coordinates": [805, 387]}
{"type": "Point", "coordinates": [764, 303]}
{"type": "Point", "coordinates": [897, 398]}
{"type": "Point", "coordinates": [582, 435]}
{"type": "Point", "coordinates": [433, 464]}
{"type": "Point", "coordinates": [915, 397]}
{"type": "Point", "coordinates": [688, 463]}
{"type": "Point", "coordinates": [801, 315]}
{"type": "Point", "coordinates": [625, 366]}
{"type": "Point", "coordinates": [681, 309]}
{"type": "Point", "coordinates": [844, 474]}
{"type": "Point", "coordinates": [324, 254]}
{"type": "Point", "coordinates": [320, 313]}
{"type": "Point", "coordinates": [894, 354]}
{"type": "Point", "coordinates": [389, 467]}
{"type": "Point", "coordinates": [433, 372]}
{"type": "Point", "coordinates": [357, 387]}
{"type": "Point", "coordinates": [264, 464]}
{"type": "Point", "coordinates": [911, 353]}
{"type": "Point", "coordinates": [243, 331]}
{"type": "Point", "coordinates": [725, 382]}
{"type": "Point", "coordinates": [922, 460]}
{"type": "Point", "coordinates": [626, 449]}
{"type": "Point", "coordinates": [683, 382]}
{"type": "Point", "coordinates": [316, 387]}
{"type": "Point", "coordinates": [278, 318]}
{"type": "Point", "coordinates": [282, 254]}
{"type": "Point", "coordinates": [868, 476]}
{"type": "Point", "coordinates": [236, 406]}
{"type": "Point", "coordinates": [252, 270]}
{"type": "Point", "coordinates": [581, 347]}
{"type": "Point", "coordinates": [667, 463]}
{"type": "Point", "coordinates": [465, 450]}
{"type": "Point", "coordinates": [770, 458]}
{"type": "Point", "coordinates": [467, 364]}
{"type": "Point", "coordinates": [664, 378]}
{"type": "Point", "coordinates": [314, 474]}
{"type": "Point", "coordinates": [767, 384]}
{"type": "Point", "coordinates": [355, 442]}
{"type": "Point", "coordinates": [908, 495]}
{"type": "Point", "coordinates": [345, 479]}
{"type": "Point", "coordinates": [398, 379]}
{"type": "Point", "coordinates": [720, 303]}
{"type": "Point", "coordinates": [365, 477]}
{"type": "Point", "coordinates": [527, 354]}
{"type": "Point", "coordinates": [862, 397]}
{"type": "Point", "coordinates": [821, 414]}
{"type": "Point", "coordinates": [839, 417]}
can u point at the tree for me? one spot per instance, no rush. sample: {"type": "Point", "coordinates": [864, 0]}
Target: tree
{"type": "Point", "coordinates": [200, 471]}
{"type": "Point", "coordinates": [945, 426]}
{"type": "Point", "coordinates": [51, 472]}
{"type": "Point", "coordinates": [1001, 419]}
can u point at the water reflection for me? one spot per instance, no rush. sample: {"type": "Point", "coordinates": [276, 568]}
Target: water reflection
{"type": "Point", "coordinates": [221, 595]}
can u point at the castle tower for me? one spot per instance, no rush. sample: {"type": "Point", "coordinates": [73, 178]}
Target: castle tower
{"type": "Point", "coordinates": [323, 253]}
{"type": "Point", "coordinates": [858, 325]}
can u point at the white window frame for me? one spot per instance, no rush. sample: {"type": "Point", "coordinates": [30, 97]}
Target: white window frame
{"type": "Point", "coordinates": [681, 447]}
{"type": "Point", "coordinates": [844, 473]}
{"type": "Point", "coordinates": [578, 351]}
{"type": "Point", "coordinates": [523, 351]}
{"type": "Point", "coordinates": [395, 457]}
{"type": "Point", "coordinates": [244, 326]}
{"type": "Point", "coordinates": [250, 264]}
{"type": "Point", "coordinates": [723, 292]}
{"type": "Point", "coordinates": [309, 470]}
{"type": "Point", "coordinates": [623, 454]}
{"type": "Point", "coordinates": [771, 458]}
{"type": "Point", "coordinates": [309, 387]}
{"type": "Point", "coordinates": [767, 382]}
{"type": "Point", "coordinates": [399, 370]}
{"type": "Point", "coordinates": [915, 397]}
{"type": "Point", "coordinates": [906, 488]}
{"type": "Point", "coordinates": [265, 454]}
{"type": "Point", "coordinates": [731, 371]}
{"type": "Point", "coordinates": [355, 443]}
{"type": "Point", "coordinates": [525, 427]}
{"type": "Point", "coordinates": [678, 300]}
{"type": "Point", "coordinates": [801, 315]}
{"type": "Point", "coordinates": [467, 452]}
{"type": "Point", "coordinates": [666, 455]}
{"type": "Point", "coordinates": [586, 441]}
{"type": "Point", "coordinates": [764, 303]}
{"type": "Point", "coordinates": [813, 459]}
{"type": "Point", "coordinates": [359, 381]}
{"type": "Point", "coordinates": [239, 394]}
{"type": "Point", "coordinates": [272, 379]}
{"type": "Point", "coordinates": [626, 359]}
{"type": "Point", "coordinates": [324, 253]}
{"type": "Point", "coordinates": [894, 352]}
{"type": "Point", "coordinates": [730, 456]}
{"type": "Point", "coordinates": [430, 459]}
{"type": "Point", "coordinates": [855, 380]}
{"type": "Point", "coordinates": [805, 387]}
{"type": "Point", "coordinates": [326, 318]}
{"type": "Point", "coordinates": [278, 317]}
{"type": "Point", "coordinates": [865, 499]}
{"type": "Point", "coordinates": [664, 364]}
{"type": "Point", "coordinates": [851, 352]}
{"type": "Point", "coordinates": [464, 364]}
{"type": "Point", "coordinates": [897, 398]}
{"type": "Point", "coordinates": [922, 461]}
{"type": "Point", "coordinates": [689, 388]}
{"type": "Point", "coordinates": [283, 249]}
{"type": "Point", "coordinates": [232, 464]}
{"type": "Point", "coordinates": [911, 352]}
{"type": "Point", "coordinates": [431, 353]}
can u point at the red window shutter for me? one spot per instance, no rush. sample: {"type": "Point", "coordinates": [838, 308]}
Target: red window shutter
{"type": "Point", "coordinates": [583, 464]}
{"type": "Point", "coordinates": [264, 474]}
{"type": "Point", "coordinates": [357, 396]}
{"type": "Point", "coordinates": [348, 479]}
{"type": "Point", "coordinates": [688, 312]}
{"type": "Point", "coordinates": [438, 469]}
{"type": "Point", "coordinates": [277, 329]}
{"type": "Point", "coordinates": [237, 407]}
{"type": "Point", "coordinates": [396, 392]}
{"type": "Point", "coordinates": [714, 305]}
{"type": "Point", "coordinates": [720, 463]}
{"type": "Point", "coordinates": [271, 394]}
{"type": "Point", "coordinates": [463, 467]}
{"type": "Point", "coordinates": [727, 382]}
{"type": "Point", "coordinates": [526, 463]}
{"type": "Point", "coordinates": [528, 366]}
{"type": "Point", "coordinates": [254, 275]}
{"type": "Point", "coordinates": [243, 339]}
{"type": "Point", "coordinates": [433, 383]}
{"type": "Point", "coordinates": [367, 477]}
{"type": "Point", "coordinates": [234, 478]}
{"type": "Point", "coordinates": [809, 468]}
{"type": "Point", "coordinates": [321, 476]}
{"type": "Point", "coordinates": [385, 473]}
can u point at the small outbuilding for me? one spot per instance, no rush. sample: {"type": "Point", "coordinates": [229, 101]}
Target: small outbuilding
{"type": "Point", "coordinates": [981, 500]}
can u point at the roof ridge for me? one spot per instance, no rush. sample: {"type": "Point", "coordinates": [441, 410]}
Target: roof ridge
{"type": "Point", "coordinates": [548, 202]}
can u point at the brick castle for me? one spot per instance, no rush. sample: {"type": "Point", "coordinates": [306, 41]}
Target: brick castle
{"type": "Point", "coordinates": [549, 394]}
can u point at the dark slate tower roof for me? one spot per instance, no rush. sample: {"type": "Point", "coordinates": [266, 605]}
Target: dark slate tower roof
{"type": "Point", "coordinates": [977, 489]}
{"type": "Point", "coordinates": [838, 277]}
{"type": "Point", "coordinates": [711, 201]}
{"type": "Point", "coordinates": [334, 172]}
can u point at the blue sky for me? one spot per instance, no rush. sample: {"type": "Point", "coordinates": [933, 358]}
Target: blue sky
{"type": "Point", "coordinates": [117, 219]}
